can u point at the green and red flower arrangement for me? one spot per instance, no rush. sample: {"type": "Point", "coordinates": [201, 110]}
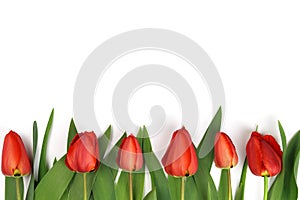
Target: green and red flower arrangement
{"type": "Point", "coordinates": [84, 172]}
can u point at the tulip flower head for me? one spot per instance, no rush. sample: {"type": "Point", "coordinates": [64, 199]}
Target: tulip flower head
{"type": "Point", "coordinates": [15, 160]}
{"type": "Point", "coordinates": [83, 154]}
{"type": "Point", "coordinates": [180, 158]}
{"type": "Point", "coordinates": [225, 153]}
{"type": "Point", "coordinates": [264, 155]}
{"type": "Point", "coordinates": [130, 157]}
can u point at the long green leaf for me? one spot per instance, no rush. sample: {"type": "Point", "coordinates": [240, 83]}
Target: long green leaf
{"type": "Point", "coordinates": [205, 184]}
{"type": "Point", "coordinates": [151, 195]}
{"type": "Point", "coordinates": [203, 180]}
{"type": "Point", "coordinates": [285, 185]}
{"type": "Point", "coordinates": [110, 159]}
{"type": "Point", "coordinates": [104, 188]}
{"type": "Point", "coordinates": [43, 166]}
{"type": "Point", "coordinates": [10, 188]}
{"type": "Point", "coordinates": [122, 187]}
{"type": "Point", "coordinates": [205, 149]}
{"type": "Point", "coordinates": [223, 191]}
{"type": "Point", "coordinates": [158, 177]}
{"type": "Point", "coordinates": [76, 186]}
{"type": "Point", "coordinates": [55, 182]}
{"type": "Point", "coordinates": [239, 195]}
{"type": "Point", "coordinates": [191, 190]}
{"type": "Point", "coordinates": [71, 134]}
{"type": "Point", "coordinates": [282, 135]}
{"type": "Point", "coordinates": [175, 187]}
{"type": "Point", "coordinates": [104, 141]}
{"type": "Point", "coordinates": [30, 190]}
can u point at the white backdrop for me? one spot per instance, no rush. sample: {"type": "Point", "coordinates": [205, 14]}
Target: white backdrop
{"type": "Point", "coordinates": [255, 47]}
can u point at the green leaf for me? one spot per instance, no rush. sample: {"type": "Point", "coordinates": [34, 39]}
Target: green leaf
{"type": "Point", "coordinates": [158, 178]}
{"type": "Point", "coordinates": [76, 186]}
{"type": "Point", "coordinates": [55, 182]}
{"type": "Point", "coordinates": [205, 149]}
{"type": "Point", "coordinates": [30, 190]}
{"type": "Point", "coordinates": [104, 141]}
{"type": "Point", "coordinates": [285, 184]}
{"type": "Point", "coordinates": [191, 190]}
{"type": "Point", "coordinates": [175, 187]}
{"type": "Point", "coordinates": [239, 195]}
{"type": "Point", "coordinates": [203, 180]}
{"type": "Point", "coordinates": [205, 184]}
{"type": "Point", "coordinates": [122, 187]}
{"type": "Point", "coordinates": [223, 185]}
{"type": "Point", "coordinates": [282, 135]}
{"type": "Point", "coordinates": [72, 133]}
{"type": "Point", "coordinates": [11, 189]}
{"type": "Point", "coordinates": [151, 195]}
{"type": "Point", "coordinates": [110, 159]}
{"type": "Point", "coordinates": [104, 187]}
{"type": "Point", "coordinates": [43, 166]}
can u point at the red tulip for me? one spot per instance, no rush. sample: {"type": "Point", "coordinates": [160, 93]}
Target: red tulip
{"type": "Point", "coordinates": [264, 155]}
{"type": "Point", "coordinates": [130, 155]}
{"type": "Point", "coordinates": [83, 154]}
{"type": "Point", "coordinates": [225, 153]}
{"type": "Point", "coordinates": [180, 159]}
{"type": "Point", "coordinates": [15, 161]}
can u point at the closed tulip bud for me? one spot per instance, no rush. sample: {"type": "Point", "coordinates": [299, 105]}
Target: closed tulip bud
{"type": "Point", "coordinates": [225, 153]}
{"type": "Point", "coordinates": [83, 154]}
{"type": "Point", "coordinates": [264, 155]}
{"type": "Point", "coordinates": [15, 161]}
{"type": "Point", "coordinates": [180, 158]}
{"type": "Point", "coordinates": [130, 157]}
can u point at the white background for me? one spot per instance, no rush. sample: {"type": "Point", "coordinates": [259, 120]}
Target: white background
{"type": "Point", "coordinates": [255, 47]}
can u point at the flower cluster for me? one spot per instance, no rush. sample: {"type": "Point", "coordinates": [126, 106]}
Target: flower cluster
{"type": "Point", "coordinates": [180, 161]}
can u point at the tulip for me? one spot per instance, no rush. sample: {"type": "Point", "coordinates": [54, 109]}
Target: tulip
{"type": "Point", "coordinates": [264, 157]}
{"type": "Point", "coordinates": [180, 159]}
{"type": "Point", "coordinates": [130, 158]}
{"type": "Point", "coordinates": [15, 160]}
{"type": "Point", "coordinates": [225, 156]}
{"type": "Point", "coordinates": [83, 154]}
{"type": "Point", "coordinates": [225, 153]}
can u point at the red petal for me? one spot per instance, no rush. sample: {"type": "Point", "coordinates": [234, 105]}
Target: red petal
{"type": "Point", "coordinates": [255, 155]}
{"type": "Point", "coordinates": [272, 142]}
{"type": "Point", "coordinates": [271, 160]}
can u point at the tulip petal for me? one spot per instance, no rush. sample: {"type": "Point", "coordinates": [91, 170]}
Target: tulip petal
{"type": "Point", "coordinates": [271, 161]}
{"type": "Point", "coordinates": [254, 154]}
{"type": "Point", "coordinates": [272, 142]}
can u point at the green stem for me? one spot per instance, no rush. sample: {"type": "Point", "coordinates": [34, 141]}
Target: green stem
{"type": "Point", "coordinates": [84, 187]}
{"type": "Point", "coordinates": [229, 185]}
{"type": "Point", "coordinates": [18, 188]}
{"type": "Point", "coordinates": [265, 188]}
{"type": "Point", "coordinates": [182, 188]}
{"type": "Point", "coordinates": [130, 186]}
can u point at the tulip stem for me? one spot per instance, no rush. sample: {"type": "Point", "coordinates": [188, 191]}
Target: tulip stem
{"type": "Point", "coordinates": [265, 187]}
{"type": "Point", "coordinates": [130, 186]}
{"type": "Point", "coordinates": [229, 185]}
{"type": "Point", "coordinates": [84, 187]}
{"type": "Point", "coordinates": [18, 188]}
{"type": "Point", "coordinates": [182, 188]}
